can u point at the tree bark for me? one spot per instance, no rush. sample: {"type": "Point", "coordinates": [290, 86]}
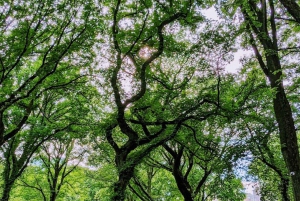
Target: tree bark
{"type": "Point", "coordinates": [293, 8]}
{"type": "Point", "coordinates": [6, 190]}
{"type": "Point", "coordinates": [182, 182]}
{"type": "Point", "coordinates": [120, 186]}
{"type": "Point", "coordinates": [52, 196]}
{"type": "Point", "coordinates": [182, 185]}
{"type": "Point", "coordinates": [288, 136]}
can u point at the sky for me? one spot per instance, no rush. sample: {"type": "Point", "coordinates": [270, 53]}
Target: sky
{"type": "Point", "coordinates": [235, 64]}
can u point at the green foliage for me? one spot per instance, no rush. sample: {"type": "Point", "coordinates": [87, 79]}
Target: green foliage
{"type": "Point", "coordinates": [141, 85]}
{"type": "Point", "coordinates": [80, 185]}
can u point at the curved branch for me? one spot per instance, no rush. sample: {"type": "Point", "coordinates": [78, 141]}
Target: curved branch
{"type": "Point", "coordinates": [143, 85]}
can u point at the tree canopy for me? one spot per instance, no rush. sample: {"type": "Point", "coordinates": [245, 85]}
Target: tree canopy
{"type": "Point", "coordinates": [132, 100]}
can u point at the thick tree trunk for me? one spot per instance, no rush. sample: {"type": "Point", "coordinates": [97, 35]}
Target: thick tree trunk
{"type": "Point", "coordinates": [6, 191]}
{"type": "Point", "coordinates": [120, 186]}
{"type": "Point", "coordinates": [53, 196]}
{"type": "Point", "coordinates": [183, 186]}
{"type": "Point", "coordinates": [182, 182]}
{"type": "Point", "coordinates": [288, 136]}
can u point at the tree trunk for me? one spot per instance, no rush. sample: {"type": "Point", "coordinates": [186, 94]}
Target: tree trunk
{"type": "Point", "coordinates": [6, 191]}
{"type": "Point", "coordinates": [183, 186]}
{"type": "Point", "coordinates": [53, 191]}
{"type": "Point", "coordinates": [273, 71]}
{"type": "Point", "coordinates": [288, 136]}
{"type": "Point", "coordinates": [53, 196]}
{"type": "Point", "coordinates": [182, 183]}
{"type": "Point", "coordinates": [120, 186]}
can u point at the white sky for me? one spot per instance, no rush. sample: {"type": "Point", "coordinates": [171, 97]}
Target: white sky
{"type": "Point", "coordinates": [235, 64]}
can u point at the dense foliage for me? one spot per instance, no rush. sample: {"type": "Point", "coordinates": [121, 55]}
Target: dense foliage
{"type": "Point", "coordinates": [132, 100]}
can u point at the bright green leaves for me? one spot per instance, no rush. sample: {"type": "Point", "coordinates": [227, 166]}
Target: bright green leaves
{"type": "Point", "coordinates": [45, 46]}
{"type": "Point", "coordinates": [159, 81]}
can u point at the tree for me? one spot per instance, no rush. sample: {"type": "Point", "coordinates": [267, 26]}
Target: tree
{"type": "Point", "coordinates": [193, 158]}
{"type": "Point", "coordinates": [153, 183]}
{"type": "Point", "coordinates": [142, 129]}
{"type": "Point", "coordinates": [44, 45]}
{"type": "Point", "coordinates": [54, 116]}
{"type": "Point", "coordinates": [56, 160]}
{"type": "Point", "coordinates": [166, 120]}
{"type": "Point", "coordinates": [265, 159]}
{"type": "Point", "coordinates": [163, 93]}
{"type": "Point", "coordinates": [79, 185]}
{"type": "Point", "coordinates": [267, 164]}
{"type": "Point", "coordinates": [16, 163]}
{"type": "Point", "coordinates": [262, 34]}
